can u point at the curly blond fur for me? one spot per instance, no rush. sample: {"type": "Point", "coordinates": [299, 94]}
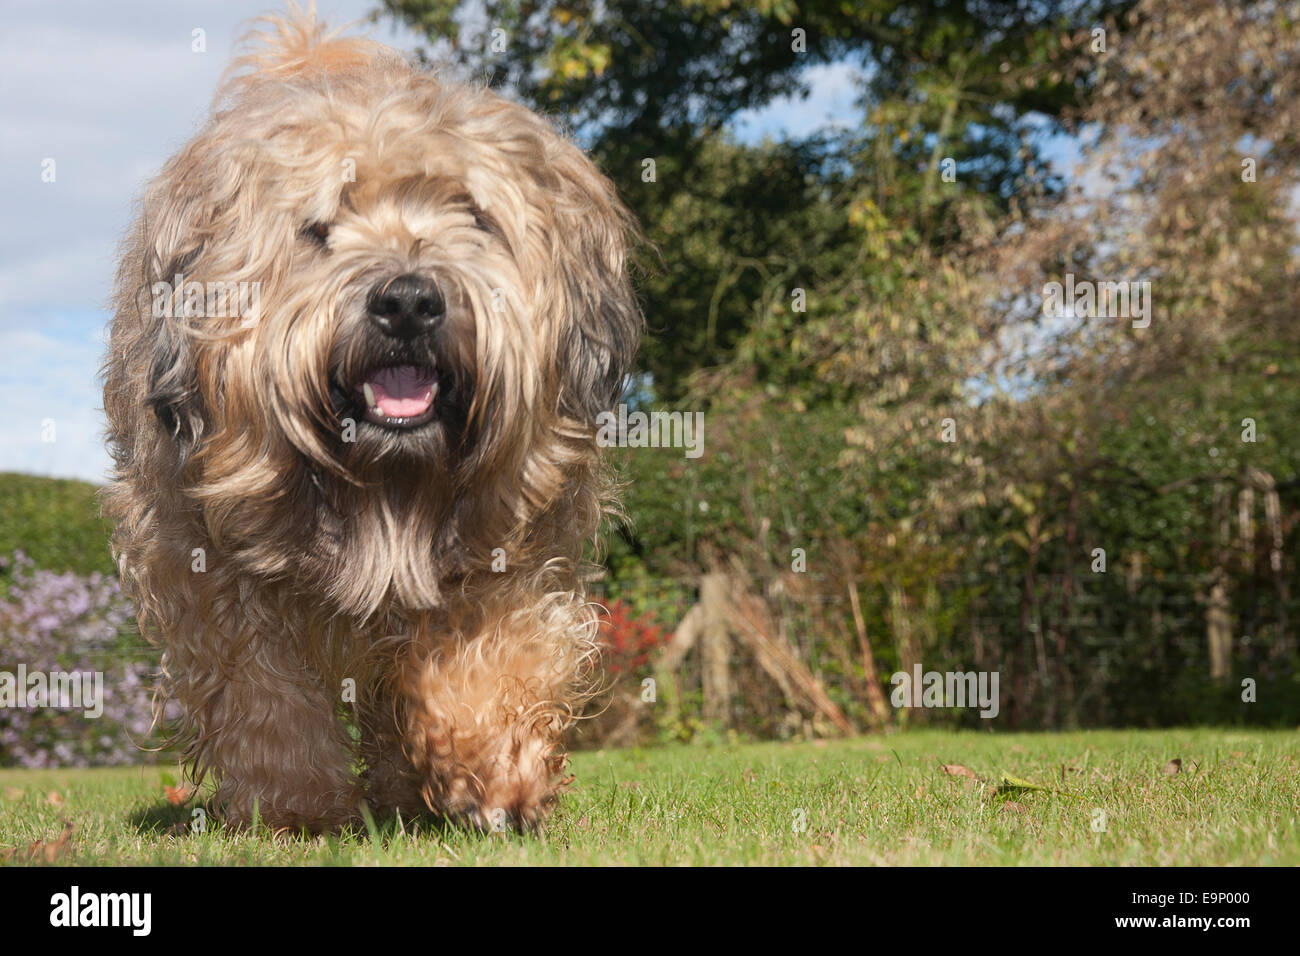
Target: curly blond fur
{"type": "Point", "coordinates": [280, 559]}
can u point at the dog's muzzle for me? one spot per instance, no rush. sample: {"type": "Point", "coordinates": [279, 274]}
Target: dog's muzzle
{"type": "Point", "coordinates": [404, 312]}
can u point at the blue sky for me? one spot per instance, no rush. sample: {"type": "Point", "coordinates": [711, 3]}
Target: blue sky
{"type": "Point", "coordinates": [109, 91]}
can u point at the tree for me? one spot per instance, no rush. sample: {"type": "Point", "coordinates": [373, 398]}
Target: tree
{"type": "Point", "coordinates": [659, 80]}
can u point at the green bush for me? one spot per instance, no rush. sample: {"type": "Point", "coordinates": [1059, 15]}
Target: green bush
{"type": "Point", "coordinates": [56, 522]}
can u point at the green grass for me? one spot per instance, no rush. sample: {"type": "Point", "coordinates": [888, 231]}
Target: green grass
{"type": "Point", "coordinates": [881, 800]}
{"type": "Point", "coordinates": [55, 521]}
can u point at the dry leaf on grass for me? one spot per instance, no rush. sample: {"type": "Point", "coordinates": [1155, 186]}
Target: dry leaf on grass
{"type": "Point", "coordinates": [957, 770]}
{"type": "Point", "coordinates": [55, 798]}
{"type": "Point", "coordinates": [46, 850]}
{"type": "Point", "coordinates": [1173, 767]}
{"type": "Point", "coordinates": [1018, 785]}
{"type": "Point", "coordinates": [178, 795]}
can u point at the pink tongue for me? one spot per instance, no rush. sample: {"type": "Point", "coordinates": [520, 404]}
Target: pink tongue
{"type": "Point", "coordinates": [403, 391]}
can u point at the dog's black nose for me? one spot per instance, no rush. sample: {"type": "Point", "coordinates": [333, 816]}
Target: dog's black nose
{"type": "Point", "coordinates": [405, 306]}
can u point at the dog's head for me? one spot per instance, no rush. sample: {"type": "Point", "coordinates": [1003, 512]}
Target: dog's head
{"type": "Point", "coordinates": [383, 309]}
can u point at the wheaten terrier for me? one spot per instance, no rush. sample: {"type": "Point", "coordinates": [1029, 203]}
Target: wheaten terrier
{"type": "Point", "coordinates": [364, 325]}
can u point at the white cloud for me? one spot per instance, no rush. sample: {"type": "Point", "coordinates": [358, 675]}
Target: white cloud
{"type": "Point", "coordinates": [832, 101]}
{"type": "Point", "coordinates": [108, 91]}
{"type": "Point", "coordinates": [50, 391]}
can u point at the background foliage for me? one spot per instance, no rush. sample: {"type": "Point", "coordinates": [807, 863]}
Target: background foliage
{"type": "Point", "coordinates": [56, 522]}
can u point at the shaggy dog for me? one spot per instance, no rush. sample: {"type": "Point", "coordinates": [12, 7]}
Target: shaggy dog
{"type": "Point", "coordinates": [364, 325]}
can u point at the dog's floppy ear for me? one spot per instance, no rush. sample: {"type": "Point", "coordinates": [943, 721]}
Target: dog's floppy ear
{"type": "Point", "coordinates": [171, 380]}
{"type": "Point", "coordinates": [172, 237]}
{"type": "Point", "coordinates": [601, 328]}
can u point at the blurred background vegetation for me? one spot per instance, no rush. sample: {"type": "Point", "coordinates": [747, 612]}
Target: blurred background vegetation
{"type": "Point", "coordinates": [906, 461]}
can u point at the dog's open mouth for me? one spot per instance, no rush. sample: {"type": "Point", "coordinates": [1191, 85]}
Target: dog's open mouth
{"type": "Point", "coordinates": [399, 396]}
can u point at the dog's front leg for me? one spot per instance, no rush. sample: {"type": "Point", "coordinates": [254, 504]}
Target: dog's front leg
{"type": "Point", "coordinates": [267, 729]}
{"type": "Point", "coordinates": [484, 716]}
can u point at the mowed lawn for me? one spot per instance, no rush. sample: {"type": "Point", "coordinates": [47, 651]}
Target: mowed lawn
{"type": "Point", "coordinates": [1113, 798]}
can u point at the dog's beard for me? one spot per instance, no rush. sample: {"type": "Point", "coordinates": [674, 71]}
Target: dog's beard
{"type": "Point", "coordinates": [384, 544]}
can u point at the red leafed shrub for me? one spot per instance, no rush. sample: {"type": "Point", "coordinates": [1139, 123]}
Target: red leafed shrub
{"type": "Point", "coordinates": [628, 641]}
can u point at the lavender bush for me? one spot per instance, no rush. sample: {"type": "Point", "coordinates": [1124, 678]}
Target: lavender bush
{"type": "Point", "coordinates": [77, 624]}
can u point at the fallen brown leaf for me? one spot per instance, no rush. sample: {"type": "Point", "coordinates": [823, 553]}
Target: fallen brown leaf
{"type": "Point", "coordinates": [1174, 766]}
{"type": "Point", "coordinates": [957, 770]}
{"type": "Point", "coordinates": [55, 798]}
{"type": "Point", "coordinates": [47, 850]}
{"type": "Point", "coordinates": [178, 795]}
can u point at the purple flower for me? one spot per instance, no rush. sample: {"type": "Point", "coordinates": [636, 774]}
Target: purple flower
{"type": "Point", "coordinates": [74, 625]}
